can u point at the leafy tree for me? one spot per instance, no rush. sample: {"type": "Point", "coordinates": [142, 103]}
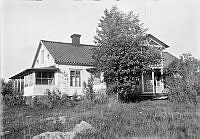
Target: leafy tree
{"type": "Point", "coordinates": [121, 51]}
{"type": "Point", "coordinates": [10, 97]}
{"type": "Point", "coordinates": [7, 87]}
{"type": "Point", "coordinates": [182, 77]}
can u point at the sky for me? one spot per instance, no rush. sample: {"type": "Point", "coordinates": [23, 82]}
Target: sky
{"type": "Point", "coordinates": [25, 22]}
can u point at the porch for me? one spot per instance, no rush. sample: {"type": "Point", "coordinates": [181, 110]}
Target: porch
{"type": "Point", "coordinates": [152, 82]}
{"type": "Point", "coordinates": [32, 82]}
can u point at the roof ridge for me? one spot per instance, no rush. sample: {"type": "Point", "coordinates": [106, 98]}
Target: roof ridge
{"type": "Point", "coordinates": [66, 43]}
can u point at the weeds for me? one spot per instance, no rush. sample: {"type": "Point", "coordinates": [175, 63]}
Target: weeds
{"type": "Point", "coordinates": [113, 120]}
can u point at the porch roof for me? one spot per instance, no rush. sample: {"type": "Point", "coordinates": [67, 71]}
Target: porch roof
{"type": "Point", "coordinates": [27, 71]}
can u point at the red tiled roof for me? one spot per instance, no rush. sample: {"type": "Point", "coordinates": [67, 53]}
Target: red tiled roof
{"type": "Point", "coordinates": [66, 53]}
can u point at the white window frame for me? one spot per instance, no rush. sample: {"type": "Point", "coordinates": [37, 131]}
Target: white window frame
{"type": "Point", "coordinates": [76, 83]}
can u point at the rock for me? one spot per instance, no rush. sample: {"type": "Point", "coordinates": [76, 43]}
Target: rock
{"type": "Point", "coordinates": [55, 135]}
{"type": "Point", "coordinates": [84, 127]}
{"type": "Point", "coordinates": [85, 130]}
{"type": "Point", "coordinates": [80, 131]}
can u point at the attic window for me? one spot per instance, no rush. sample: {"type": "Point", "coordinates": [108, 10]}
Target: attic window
{"type": "Point", "coordinates": [42, 57]}
{"type": "Point", "coordinates": [48, 56]}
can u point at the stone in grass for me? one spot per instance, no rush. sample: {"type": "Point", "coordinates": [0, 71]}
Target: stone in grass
{"type": "Point", "coordinates": [85, 130]}
{"type": "Point", "coordinates": [55, 135]}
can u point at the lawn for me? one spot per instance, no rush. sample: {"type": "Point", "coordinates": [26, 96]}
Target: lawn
{"type": "Point", "coordinates": [154, 119]}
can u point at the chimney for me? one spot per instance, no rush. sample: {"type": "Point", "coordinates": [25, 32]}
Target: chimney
{"type": "Point", "coordinates": [76, 39]}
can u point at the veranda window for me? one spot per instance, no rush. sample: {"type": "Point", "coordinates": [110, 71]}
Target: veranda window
{"type": "Point", "coordinates": [28, 80]}
{"type": "Point", "coordinates": [45, 78]}
{"type": "Point", "coordinates": [75, 78]}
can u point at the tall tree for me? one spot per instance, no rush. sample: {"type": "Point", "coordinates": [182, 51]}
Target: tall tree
{"type": "Point", "coordinates": [121, 51]}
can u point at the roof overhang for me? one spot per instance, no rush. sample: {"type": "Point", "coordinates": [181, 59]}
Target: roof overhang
{"type": "Point", "coordinates": [28, 71]}
{"type": "Point", "coordinates": [157, 40]}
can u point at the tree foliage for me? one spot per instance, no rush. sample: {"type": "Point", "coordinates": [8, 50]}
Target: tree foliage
{"type": "Point", "coordinates": [7, 88]}
{"type": "Point", "coordinates": [183, 79]}
{"type": "Point", "coordinates": [121, 52]}
{"type": "Point", "coordinates": [9, 95]}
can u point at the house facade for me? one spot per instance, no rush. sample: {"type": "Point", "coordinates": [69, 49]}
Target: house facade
{"type": "Point", "coordinates": [65, 66]}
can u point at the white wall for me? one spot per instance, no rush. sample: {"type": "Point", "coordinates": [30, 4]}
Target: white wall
{"type": "Point", "coordinates": [41, 89]}
{"type": "Point", "coordinates": [63, 79]}
{"type": "Point", "coordinates": [28, 91]}
{"type": "Point", "coordinates": [48, 61]}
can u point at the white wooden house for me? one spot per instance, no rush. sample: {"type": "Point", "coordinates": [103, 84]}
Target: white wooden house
{"type": "Point", "coordinates": [64, 66]}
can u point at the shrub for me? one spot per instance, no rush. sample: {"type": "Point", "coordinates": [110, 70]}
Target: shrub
{"type": "Point", "coordinates": [88, 89]}
{"type": "Point", "coordinates": [112, 89]}
{"type": "Point", "coordinates": [125, 93]}
{"type": "Point", "coordinates": [10, 97]}
{"type": "Point", "coordinates": [53, 99]}
{"type": "Point", "coordinates": [13, 100]}
{"type": "Point", "coordinates": [7, 88]}
{"type": "Point", "coordinates": [101, 97]}
{"type": "Point", "coordinates": [181, 91]}
{"type": "Point", "coordinates": [182, 77]}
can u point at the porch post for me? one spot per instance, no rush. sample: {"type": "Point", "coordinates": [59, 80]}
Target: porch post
{"type": "Point", "coordinates": [17, 85]}
{"type": "Point", "coordinates": [153, 81]}
{"type": "Point", "coordinates": [14, 84]}
{"type": "Point", "coordinates": [20, 85]}
{"type": "Point", "coordinates": [142, 82]}
{"type": "Point", "coordinates": [162, 83]}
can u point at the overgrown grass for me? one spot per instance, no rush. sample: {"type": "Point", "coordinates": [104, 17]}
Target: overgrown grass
{"type": "Point", "coordinates": [115, 120]}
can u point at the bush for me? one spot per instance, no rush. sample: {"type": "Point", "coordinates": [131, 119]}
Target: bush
{"type": "Point", "coordinates": [181, 91]}
{"type": "Point", "coordinates": [126, 93]}
{"type": "Point", "coordinates": [88, 89]}
{"type": "Point", "coordinates": [10, 97]}
{"type": "Point", "coordinates": [182, 77]}
{"type": "Point", "coordinates": [53, 99]}
{"type": "Point", "coordinates": [101, 97]}
{"type": "Point", "coordinates": [13, 100]}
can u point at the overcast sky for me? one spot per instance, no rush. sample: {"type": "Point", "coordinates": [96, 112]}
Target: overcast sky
{"type": "Point", "coordinates": [26, 22]}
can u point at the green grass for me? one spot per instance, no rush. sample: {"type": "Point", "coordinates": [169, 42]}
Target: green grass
{"type": "Point", "coordinates": [115, 120]}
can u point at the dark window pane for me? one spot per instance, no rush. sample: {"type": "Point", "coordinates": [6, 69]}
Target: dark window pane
{"type": "Point", "coordinates": [77, 73]}
{"type": "Point", "coordinates": [38, 74]}
{"type": "Point", "coordinates": [51, 75]}
{"type": "Point", "coordinates": [44, 75]}
{"type": "Point", "coordinates": [50, 81]}
{"type": "Point", "coordinates": [72, 73]}
{"type": "Point", "coordinates": [38, 81]}
{"type": "Point", "coordinates": [44, 81]}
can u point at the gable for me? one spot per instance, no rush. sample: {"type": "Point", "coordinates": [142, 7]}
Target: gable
{"type": "Point", "coordinates": [153, 41]}
{"type": "Point", "coordinates": [43, 58]}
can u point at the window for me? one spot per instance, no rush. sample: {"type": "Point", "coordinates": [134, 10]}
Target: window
{"type": "Point", "coordinates": [42, 57]}
{"type": "Point", "coordinates": [28, 80]}
{"type": "Point", "coordinates": [44, 78]}
{"type": "Point", "coordinates": [75, 78]}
